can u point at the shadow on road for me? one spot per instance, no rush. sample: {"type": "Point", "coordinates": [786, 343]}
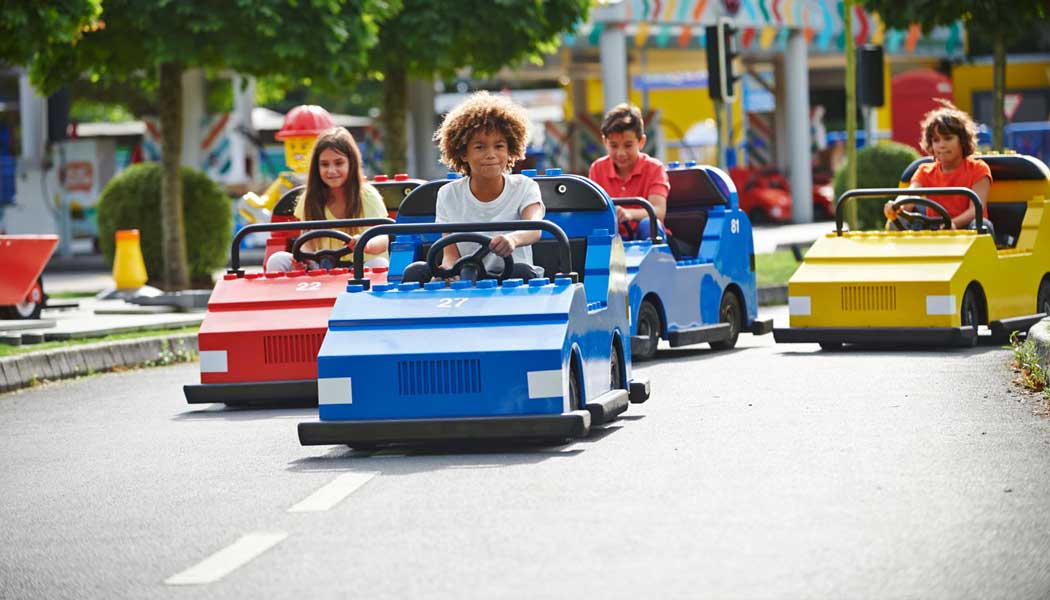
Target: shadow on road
{"type": "Point", "coordinates": [854, 351]}
{"type": "Point", "coordinates": [227, 413]}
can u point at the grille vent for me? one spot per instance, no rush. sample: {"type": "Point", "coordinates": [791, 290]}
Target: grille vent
{"type": "Point", "coordinates": [291, 348]}
{"type": "Point", "coordinates": [869, 298]}
{"type": "Point", "coordinates": [438, 377]}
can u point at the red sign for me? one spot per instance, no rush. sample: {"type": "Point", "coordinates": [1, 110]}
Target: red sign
{"type": "Point", "coordinates": [78, 176]}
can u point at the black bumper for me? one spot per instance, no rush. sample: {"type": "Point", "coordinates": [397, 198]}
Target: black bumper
{"type": "Point", "coordinates": [262, 393]}
{"type": "Point", "coordinates": [761, 327]}
{"type": "Point", "coordinates": [878, 336]}
{"type": "Point", "coordinates": [639, 391]}
{"type": "Point", "coordinates": [416, 431]}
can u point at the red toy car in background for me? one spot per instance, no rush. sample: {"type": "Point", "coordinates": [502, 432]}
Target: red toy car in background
{"type": "Point", "coordinates": [22, 261]}
{"type": "Point", "coordinates": [765, 195]}
{"type": "Point", "coordinates": [260, 337]}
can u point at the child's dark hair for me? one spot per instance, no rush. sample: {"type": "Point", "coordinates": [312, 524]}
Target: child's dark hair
{"type": "Point", "coordinates": [482, 112]}
{"type": "Point", "coordinates": [948, 120]}
{"type": "Point", "coordinates": [621, 118]}
{"type": "Point", "coordinates": [316, 195]}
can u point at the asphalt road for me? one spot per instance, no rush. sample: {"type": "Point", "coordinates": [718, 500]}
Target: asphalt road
{"type": "Point", "coordinates": [765, 472]}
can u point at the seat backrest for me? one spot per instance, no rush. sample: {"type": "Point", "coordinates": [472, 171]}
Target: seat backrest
{"type": "Point", "coordinates": [285, 206]}
{"type": "Point", "coordinates": [693, 193]}
{"type": "Point", "coordinates": [394, 192]}
{"type": "Point", "coordinates": [420, 205]}
{"type": "Point", "coordinates": [577, 205]}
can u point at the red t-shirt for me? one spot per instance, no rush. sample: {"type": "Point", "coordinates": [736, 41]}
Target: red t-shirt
{"type": "Point", "coordinates": [648, 177]}
{"type": "Point", "coordinates": [965, 175]}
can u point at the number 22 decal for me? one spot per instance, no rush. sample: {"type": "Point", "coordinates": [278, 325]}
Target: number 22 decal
{"type": "Point", "coordinates": [452, 302]}
{"type": "Point", "coordinates": [308, 286]}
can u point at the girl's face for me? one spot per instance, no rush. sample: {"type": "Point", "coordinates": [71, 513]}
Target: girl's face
{"type": "Point", "coordinates": [947, 148]}
{"type": "Point", "coordinates": [334, 167]}
{"type": "Point", "coordinates": [487, 154]}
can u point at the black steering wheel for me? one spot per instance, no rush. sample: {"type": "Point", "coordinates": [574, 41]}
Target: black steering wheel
{"type": "Point", "coordinates": [467, 267]}
{"type": "Point", "coordinates": [917, 221]}
{"type": "Point", "coordinates": [326, 259]}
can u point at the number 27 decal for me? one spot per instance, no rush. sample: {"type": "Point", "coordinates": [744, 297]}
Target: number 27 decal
{"type": "Point", "coordinates": [452, 302]}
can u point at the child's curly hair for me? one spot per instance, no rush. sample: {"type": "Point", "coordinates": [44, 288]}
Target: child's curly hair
{"type": "Point", "coordinates": [948, 120]}
{"type": "Point", "coordinates": [480, 112]}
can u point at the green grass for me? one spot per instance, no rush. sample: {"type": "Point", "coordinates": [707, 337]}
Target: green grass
{"type": "Point", "coordinates": [71, 295]}
{"type": "Point", "coordinates": [6, 350]}
{"type": "Point", "coordinates": [775, 268]}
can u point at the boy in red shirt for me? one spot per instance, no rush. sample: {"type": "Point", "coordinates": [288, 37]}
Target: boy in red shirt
{"type": "Point", "coordinates": [627, 171]}
{"type": "Point", "coordinates": [950, 136]}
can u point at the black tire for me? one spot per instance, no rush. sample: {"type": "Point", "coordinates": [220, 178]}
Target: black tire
{"type": "Point", "coordinates": [575, 391]}
{"type": "Point", "coordinates": [831, 346]}
{"type": "Point", "coordinates": [970, 311]}
{"type": "Point", "coordinates": [729, 312]}
{"type": "Point", "coordinates": [1042, 299]}
{"type": "Point", "coordinates": [648, 328]}
{"type": "Point", "coordinates": [615, 369]}
{"type": "Point", "coordinates": [30, 309]}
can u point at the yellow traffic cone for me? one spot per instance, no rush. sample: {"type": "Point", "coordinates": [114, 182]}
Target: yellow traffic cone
{"type": "Point", "coordinates": [129, 270]}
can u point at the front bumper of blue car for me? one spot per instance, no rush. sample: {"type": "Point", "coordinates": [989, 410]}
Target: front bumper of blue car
{"type": "Point", "coordinates": [572, 424]}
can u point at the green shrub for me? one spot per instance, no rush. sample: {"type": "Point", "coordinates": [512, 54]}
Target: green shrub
{"type": "Point", "coordinates": [878, 166]}
{"type": "Point", "coordinates": [131, 200]}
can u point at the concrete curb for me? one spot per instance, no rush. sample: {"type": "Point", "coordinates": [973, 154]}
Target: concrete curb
{"type": "Point", "coordinates": [772, 294]}
{"type": "Point", "coordinates": [25, 370]}
{"type": "Point", "coordinates": [1040, 336]}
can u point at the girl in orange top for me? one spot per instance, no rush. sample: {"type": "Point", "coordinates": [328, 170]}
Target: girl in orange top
{"type": "Point", "coordinates": [950, 136]}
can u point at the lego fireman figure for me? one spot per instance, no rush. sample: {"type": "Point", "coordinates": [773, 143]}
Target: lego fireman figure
{"type": "Point", "coordinates": [299, 131]}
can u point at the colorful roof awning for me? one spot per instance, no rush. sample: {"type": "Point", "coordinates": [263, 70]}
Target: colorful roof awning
{"type": "Point", "coordinates": [764, 26]}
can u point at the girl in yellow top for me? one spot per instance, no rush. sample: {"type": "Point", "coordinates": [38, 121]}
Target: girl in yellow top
{"type": "Point", "coordinates": [336, 189]}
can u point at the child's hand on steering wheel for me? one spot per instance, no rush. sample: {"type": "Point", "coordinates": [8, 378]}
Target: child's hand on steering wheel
{"type": "Point", "coordinates": [502, 245]}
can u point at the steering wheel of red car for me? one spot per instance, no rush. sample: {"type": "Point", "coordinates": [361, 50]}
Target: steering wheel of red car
{"type": "Point", "coordinates": [325, 259]}
{"type": "Point", "coordinates": [467, 267]}
{"type": "Point", "coordinates": [917, 221]}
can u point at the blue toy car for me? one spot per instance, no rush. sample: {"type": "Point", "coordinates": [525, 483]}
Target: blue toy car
{"type": "Point", "coordinates": [542, 359]}
{"type": "Point", "coordinates": [698, 286]}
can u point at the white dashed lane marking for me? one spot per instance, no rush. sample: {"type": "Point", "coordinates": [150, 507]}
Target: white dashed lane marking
{"type": "Point", "coordinates": [333, 492]}
{"type": "Point", "coordinates": [227, 560]}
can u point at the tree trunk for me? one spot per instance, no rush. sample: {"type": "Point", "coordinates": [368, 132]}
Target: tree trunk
{"type": "Point", "coordinates": [395, 88]}
{"type": "Point", "coordinates": [998, 89]}
{"type": "Point", "coordinates": [173, 234]}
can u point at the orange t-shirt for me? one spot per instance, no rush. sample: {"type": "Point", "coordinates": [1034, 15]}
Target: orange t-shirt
{"type": "Point", "coordinates": [965, 175]}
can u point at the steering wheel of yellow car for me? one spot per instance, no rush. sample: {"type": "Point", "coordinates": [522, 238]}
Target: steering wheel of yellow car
{"type": "Point", "coordinates": [917, 221]}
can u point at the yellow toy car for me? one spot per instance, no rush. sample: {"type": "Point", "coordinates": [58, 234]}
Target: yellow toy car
{"type": "Point", "coordinates": [924, 284]}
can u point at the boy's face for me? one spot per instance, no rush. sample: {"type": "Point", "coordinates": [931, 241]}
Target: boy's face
{"type": "Point", "coordinates": [623, 149]}
{"type": "Point", "coordinates": [947, 148]}
{"type": "Point", "coordinates": [487, 154]}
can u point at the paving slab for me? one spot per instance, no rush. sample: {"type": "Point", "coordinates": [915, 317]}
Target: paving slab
{"type": "Point", "coordinates": [21, 324]}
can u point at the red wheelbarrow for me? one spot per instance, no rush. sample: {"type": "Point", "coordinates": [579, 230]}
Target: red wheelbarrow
{"type": "Point", "coordinates": [22, 260]}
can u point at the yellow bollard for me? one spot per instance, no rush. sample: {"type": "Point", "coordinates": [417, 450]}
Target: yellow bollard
{"type": "Point", "coordinates": [129, 270]}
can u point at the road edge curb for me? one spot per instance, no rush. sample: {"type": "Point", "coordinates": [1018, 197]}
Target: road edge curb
{"type": "Point", "coordinates": [1039, 334]}
{"type": "Point", "coordinates": [26, 370]}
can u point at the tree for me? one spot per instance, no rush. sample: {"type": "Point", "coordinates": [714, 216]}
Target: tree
{"type": "Point", "coordinates": [991, 16]}
{"type": "Point", "coordinates": [29, 26]}
{"type": "Point", "coordinates": [323, 40]}
{"type": "Point", "coordinates": [443, 36]}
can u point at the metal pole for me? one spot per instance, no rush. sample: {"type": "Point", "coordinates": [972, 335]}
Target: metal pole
{"type": "Point", "coordinates": [851, 108]}
{"type": "Point", "coordinates": [800, 153]}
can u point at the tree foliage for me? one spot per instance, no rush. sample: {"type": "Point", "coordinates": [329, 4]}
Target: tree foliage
{"type": "Point", "coordinates": [440, 37]}
{"type": "Point", "coordinates": [30, 26]}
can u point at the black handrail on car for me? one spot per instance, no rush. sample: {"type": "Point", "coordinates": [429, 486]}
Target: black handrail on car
{"type": "Point", "coordinates": [564, 250]}
{"type": "Point", "coordinates": [945, 191]}
{"type": "Point", "coordinates": [654, 233]}
{"type": "Point", "coordinates": [235, 248]}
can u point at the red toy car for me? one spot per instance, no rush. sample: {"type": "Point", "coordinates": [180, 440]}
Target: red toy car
{"type": "Point", "coordinates": [259, 339]}
{"type": "Point", "coordinates": [765, 195]}
{"type": "Point", "coordinates": [22, 260]}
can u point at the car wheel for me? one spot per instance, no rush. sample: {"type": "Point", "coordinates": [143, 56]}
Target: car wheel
{"type": "Point", "coordinates": [615, 370]}
{"type": "Point", "coordinates": [1042, 300]}
{"type": "Point", "coordinates": [971, 311]}
{"type": "Point", "coordinates": [729, 312]}
{"type": "Point", "coordinates": [30, 308]}
{"type": "Point", "coordinates": [648, 332]}
{"type": "Point", "coordinates": [575, 391]}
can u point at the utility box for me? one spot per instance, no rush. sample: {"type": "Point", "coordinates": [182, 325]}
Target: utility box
{"type": "Point", "coordinates": [85, 166]}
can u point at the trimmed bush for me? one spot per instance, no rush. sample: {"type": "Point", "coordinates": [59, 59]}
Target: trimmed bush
{"type": "Point", "coordinates": [131, 200]}
{"type": "Point", "coordinates": [878, 166]}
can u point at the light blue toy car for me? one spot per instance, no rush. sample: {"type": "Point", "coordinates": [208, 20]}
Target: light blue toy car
{"type": "Point", "coordinates": [699, 285]}
{"type": "Point", "coordinates": [526, 360]}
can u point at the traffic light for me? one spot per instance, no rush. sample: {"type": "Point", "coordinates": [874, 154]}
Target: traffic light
{"type": "Point", "coordinates": [721, 52]}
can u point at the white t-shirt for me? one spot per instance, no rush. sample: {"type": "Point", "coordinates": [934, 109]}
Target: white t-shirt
{"type": "Point", "coordinates": [457, 204]}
